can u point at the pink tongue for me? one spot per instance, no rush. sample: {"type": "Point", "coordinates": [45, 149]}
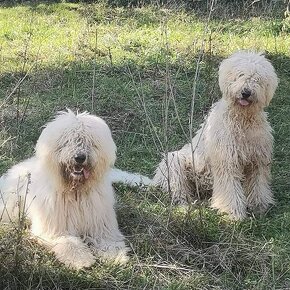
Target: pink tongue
{"type": "Point", "coordinates": [86, 173]}
{"type": "Point", "coordinates": [243, 102]}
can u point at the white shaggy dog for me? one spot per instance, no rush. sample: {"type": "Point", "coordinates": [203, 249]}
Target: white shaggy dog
{"type": "Point", "coordinates": [231, 153]}
{"type": "Point", "coordinates": [66, 192]}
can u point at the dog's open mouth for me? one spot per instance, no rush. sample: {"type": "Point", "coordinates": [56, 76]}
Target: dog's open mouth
{"type": "Point", "coordinates": [244, 102]}
{"type": "Point", "coordinates": [80, 172]}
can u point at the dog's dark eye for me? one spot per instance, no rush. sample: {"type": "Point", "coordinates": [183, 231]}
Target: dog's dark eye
{"type": "Point", "coordinates": [241, 75]}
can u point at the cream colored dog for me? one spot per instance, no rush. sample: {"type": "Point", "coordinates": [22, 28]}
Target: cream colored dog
{"type": "Point", "coordinates": [232, 152]}
{"type": "Point", "coordinates": [66, 192]}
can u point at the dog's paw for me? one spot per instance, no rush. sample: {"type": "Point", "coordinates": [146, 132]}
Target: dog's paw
{"type": "Point", "coordinates": [260, 205]}
{"type": "Point", "coordinates": [231, 214]}
{"type": "Point", "coordinates": [73, 252]}
{"type": "Point", "coordinates": [83, 260]}
{"type": "Point", "coordinates": [259, 211]}
{"type": "Point", "coordinates": [112, 252]}
{"type": "Point", "coordinates": [114, 256]}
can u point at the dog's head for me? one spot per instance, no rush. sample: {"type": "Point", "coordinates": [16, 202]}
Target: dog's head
{"type": "Point", "coordinates": [247, 79]}
{"type": "Point", "coordinates": [77, 147]}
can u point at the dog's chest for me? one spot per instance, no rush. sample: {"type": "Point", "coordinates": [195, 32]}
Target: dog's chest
{"type": "Point", "coordinates": [252, 145]}
{"type": "Point", "coordinates": [80, 214]}
{"type": "Point", "coordinates": [235, 143]}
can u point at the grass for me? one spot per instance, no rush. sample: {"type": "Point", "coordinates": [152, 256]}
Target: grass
{"type": "Point", "coordinates": [129, 65]}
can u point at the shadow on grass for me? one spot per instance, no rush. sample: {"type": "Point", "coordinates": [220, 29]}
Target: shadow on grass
{"type": "Point", "coordinates": [119, 96]}
{"type": "Point", "coordinates": [167, 244]}
{"type": "Point", "coordinates": [197, 239]}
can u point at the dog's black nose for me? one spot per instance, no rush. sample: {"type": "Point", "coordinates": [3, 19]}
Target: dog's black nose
{"type": "Point", "coordinates": [246, 93]}
{"type": "Point", "coordinates": [80, 158]}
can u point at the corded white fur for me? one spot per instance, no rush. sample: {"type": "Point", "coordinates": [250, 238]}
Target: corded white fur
{"type": "Point", "coordinates": [232, 151]}
{"type": "Point", "coordinates": [70, 205]}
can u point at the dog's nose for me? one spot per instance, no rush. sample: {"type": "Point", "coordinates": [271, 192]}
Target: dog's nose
{"type": "Point", "coordinates": [80, 158]}
{"type": "Point", "coordinates": [246, 93]}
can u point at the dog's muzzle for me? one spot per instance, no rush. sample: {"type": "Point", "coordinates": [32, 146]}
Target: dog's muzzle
{"type": "Point", "coordinates": [80, 169]}
{"type": "Point", "coordinates": [244, 100]}
{"type": "Point", "coordinates": [80, 172]}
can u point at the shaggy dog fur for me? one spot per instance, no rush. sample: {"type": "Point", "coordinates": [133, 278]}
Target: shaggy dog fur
{"type": "Point", "coordinates": [66, 192]}
{"type": "Point", "coordinates": [231, 153]}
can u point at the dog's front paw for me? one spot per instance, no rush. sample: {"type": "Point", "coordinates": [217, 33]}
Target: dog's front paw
{"type": "Point", "coordinates": [73, 253]}
{"type": "Point", "coordinates": [115, 256]}
{"type": "Point", "coordinates": [78, 260]}
{"type": "Point", "coordinates": [258, 211]}
{"type": "Point", "coordinates": [112, 252]}
{"type": "Point", "coordinates": [258, 204]}
{"type": "Point", "coordinates": [235, 214]}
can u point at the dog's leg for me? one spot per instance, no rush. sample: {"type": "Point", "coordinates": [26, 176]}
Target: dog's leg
{"type": "Point", "coordinates": [170, 176]}
{"type": "Point", "coordinates": [257, 184]}
{"type": "Point", "coordinates": [110, 249]}
{"type": "Point", "coordinates": [228, 195]}
{"type": "Point", "coordinates": [70, 250]}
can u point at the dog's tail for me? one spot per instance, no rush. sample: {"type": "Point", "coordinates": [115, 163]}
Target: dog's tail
{"type": "Point", "coordinates": [132, 179]}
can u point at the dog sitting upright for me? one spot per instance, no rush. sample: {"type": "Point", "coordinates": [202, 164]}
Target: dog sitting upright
{"type": "Point", "coordinates": [232, 151]}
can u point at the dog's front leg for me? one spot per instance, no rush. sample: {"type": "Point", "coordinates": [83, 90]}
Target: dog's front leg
{"type": "Point", "coordinates": [257, 185]}
{"type": "Point", "coordinates": [228, 195]}
{"type": "Point", "coordinates": [70, 250]}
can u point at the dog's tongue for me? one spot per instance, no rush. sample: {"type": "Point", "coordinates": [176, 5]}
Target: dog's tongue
{"type": "Point", "coordinates": [86, 173]}
{"type": "Point", "coordinates": [243, 102]}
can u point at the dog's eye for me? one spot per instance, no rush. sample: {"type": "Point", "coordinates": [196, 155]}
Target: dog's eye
{"type": "Point", "coordinates": [241, 75]}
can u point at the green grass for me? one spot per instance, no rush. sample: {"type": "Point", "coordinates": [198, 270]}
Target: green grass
{"type": "Point", "coordinates": [125, 64]}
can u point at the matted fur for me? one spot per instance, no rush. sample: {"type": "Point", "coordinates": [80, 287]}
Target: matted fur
{"type": "Point", "coordinates": [231, 153]}
{"type": "Point", "coordinates": [70, 204]}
